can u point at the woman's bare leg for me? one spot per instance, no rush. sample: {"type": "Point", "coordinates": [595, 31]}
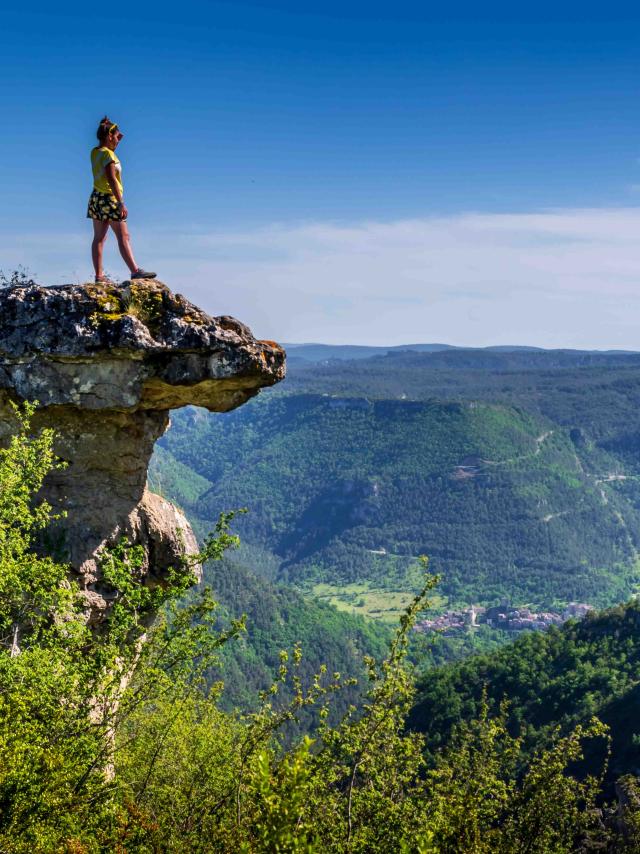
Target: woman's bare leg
{"type": "Point", "coordinates": [100, 230]}
{"type": "Point", "coordinates": [124, 244]}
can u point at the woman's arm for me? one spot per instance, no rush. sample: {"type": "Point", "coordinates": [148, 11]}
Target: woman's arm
{"type": "Point", "coordinates": [110, 174]}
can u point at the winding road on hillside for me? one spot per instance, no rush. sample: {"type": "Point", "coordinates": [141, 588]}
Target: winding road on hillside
{"type": "Point", "coordinates": [462, 471]}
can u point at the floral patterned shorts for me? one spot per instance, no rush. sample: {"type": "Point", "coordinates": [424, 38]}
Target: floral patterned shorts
{"type": "Point", "coordinates": [104, 207]}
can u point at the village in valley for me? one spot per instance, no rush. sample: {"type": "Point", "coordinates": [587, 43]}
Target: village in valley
{"type": "Point", "coordinates": [504, 616]}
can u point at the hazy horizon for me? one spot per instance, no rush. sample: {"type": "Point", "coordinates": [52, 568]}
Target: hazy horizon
{"type": "Point", "coordinates": [453, 346]}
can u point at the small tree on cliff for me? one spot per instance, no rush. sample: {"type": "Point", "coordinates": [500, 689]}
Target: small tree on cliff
{"type": "Point", "coordinates": [46, 682]}
{"type": "Point", "coordinates": [34, 595]}
{"type": "Point", "coordinates": [62, 700]}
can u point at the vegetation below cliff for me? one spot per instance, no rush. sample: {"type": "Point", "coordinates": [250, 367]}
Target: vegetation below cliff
{"type": "Point", "coordinates": [107, 744]}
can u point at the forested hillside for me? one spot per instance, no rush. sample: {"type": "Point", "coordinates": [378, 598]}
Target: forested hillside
{"type": "Point", "coordinates": [560, 677]}
{"type": "Point", "coordinates": [593, 392]}
{"type": "Point", "coordinates": [507, 500]}
{"type": "Point", "coordinates": [278, 618]}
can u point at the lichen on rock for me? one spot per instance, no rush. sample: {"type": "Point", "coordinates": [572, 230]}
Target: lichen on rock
{"type": "Point", "coordinates": [106, 364]}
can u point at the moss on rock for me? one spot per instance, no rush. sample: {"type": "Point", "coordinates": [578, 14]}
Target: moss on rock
{"type": "Point", "coordinates": [144, 300]}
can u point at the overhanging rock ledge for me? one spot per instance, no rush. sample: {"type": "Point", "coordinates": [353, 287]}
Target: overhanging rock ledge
{"type": "Point", "coordinates": [106, 364]}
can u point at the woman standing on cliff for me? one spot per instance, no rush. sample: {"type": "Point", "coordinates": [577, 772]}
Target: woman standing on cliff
{"type": "Point", "coordinates": [106, 205]}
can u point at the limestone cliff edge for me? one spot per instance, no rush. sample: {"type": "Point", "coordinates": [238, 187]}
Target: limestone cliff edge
{"type": "Point", "coordinates": [106, 364]}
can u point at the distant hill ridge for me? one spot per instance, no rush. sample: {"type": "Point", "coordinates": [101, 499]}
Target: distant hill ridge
{"type": "Point", "coordinates": [316, 352]}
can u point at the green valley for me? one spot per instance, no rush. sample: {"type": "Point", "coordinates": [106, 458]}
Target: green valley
{"type": "Point", "coordinates": [517, 473]}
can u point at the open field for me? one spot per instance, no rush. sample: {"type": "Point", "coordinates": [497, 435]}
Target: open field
{"type": "Point", "coordinates": [373, 602]}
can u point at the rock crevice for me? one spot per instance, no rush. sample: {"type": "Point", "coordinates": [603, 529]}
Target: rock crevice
{"type": "Point", "coordinates": [106, 364]}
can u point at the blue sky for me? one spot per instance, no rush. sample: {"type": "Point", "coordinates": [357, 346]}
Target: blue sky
{"type": "Point", "coordinates": [352, 172]}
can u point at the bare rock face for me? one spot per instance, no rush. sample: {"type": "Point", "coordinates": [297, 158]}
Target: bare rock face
{"type": "Point", "coordinates": [106, 364]}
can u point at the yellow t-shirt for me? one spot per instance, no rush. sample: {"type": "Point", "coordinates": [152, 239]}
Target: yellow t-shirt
{"type": "Point", "coordinates": [100, 158]}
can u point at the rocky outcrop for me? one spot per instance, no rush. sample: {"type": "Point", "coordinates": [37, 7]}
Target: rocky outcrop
{"type": "Point", "coordinates": [106, 364]}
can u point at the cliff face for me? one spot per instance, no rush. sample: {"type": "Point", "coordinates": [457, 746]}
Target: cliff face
{"type": "Point", "coordinates": [106, 364]}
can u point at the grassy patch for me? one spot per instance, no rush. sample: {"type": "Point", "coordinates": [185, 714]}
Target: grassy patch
{"type": "Point", "coordinates": [374, 602]}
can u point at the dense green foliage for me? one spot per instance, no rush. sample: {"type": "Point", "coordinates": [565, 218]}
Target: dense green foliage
{"type": "Point", "coordinates": [110, 745]}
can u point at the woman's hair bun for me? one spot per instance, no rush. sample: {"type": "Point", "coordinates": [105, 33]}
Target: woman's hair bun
{"type": "Point", "coordinates": [103, 128]}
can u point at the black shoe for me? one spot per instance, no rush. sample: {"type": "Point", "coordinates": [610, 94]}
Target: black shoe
{"type": "Point", "coordinates": [143, 274]}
